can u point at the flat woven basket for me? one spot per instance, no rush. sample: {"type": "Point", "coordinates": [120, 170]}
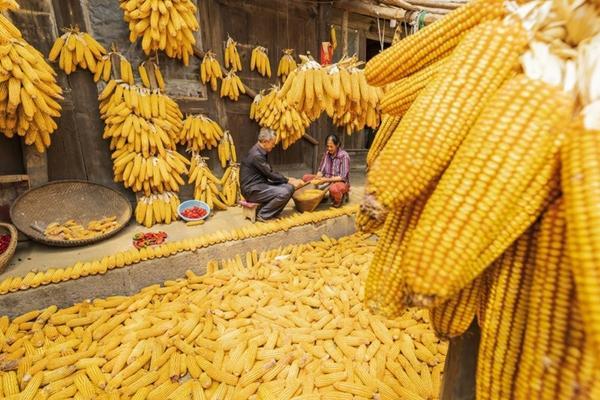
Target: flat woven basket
{"type": "Point", "coordinates": [61, 201]}
{"type": "Point", "coordinates": [307, 205]}
{"type": "Point", "coordinates": [10, 251]}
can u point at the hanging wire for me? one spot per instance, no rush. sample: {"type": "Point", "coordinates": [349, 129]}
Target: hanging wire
{"type": "Point", "coordinates": [379, 35]}
{"type": "Point", "coordinates": [287, 22]}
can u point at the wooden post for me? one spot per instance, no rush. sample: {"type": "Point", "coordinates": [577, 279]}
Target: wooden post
{"type": "Point", "coordinates": [345, 32]}
{"type": "Point", "coordinates": [461, 366]}
{"type": "Point", "coordinates": [36, 165]}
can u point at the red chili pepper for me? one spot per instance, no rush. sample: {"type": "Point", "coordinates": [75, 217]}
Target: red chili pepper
{"type": "Point", "coordinates": [194, 212]}
{"type": "Point", "coordinates": [4, 242]}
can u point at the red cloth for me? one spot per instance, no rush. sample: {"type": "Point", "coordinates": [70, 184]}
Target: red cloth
{"type": "Point", "coordinates": [337, 190]}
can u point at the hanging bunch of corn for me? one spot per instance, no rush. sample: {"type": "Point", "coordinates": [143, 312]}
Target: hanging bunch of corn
{"type": "Point", "coordinates": [226, 150]}
{"type": "Point", "coordinates": [7, 29]}
{"type": "Point", "coordinates": [150, 75]}
{"type": "Point", "coordinates": [232, 86]}
{"type": "Point", "coordinates": [210, 70]}
{"type": "Point", "coordinates": [471, 187]}
{"type": "Point", "coordinates": [230, 182]}
{"type": "Point", "coordinates": [206, 185]}
{"type": "Point", "coordinates": [232, 57]}
{"type": "Point", "coordinates": [28, 94]}
{"type": "Point", "coordinates": [166, 25]}
{"type": "Point", "coordinates": [259, 60]}
{"type": "Point", "coordinates": [304, 90]}
{"type": "Point", "coordinates": [274, 112]}
{"type": "Point", "coordinates": [105, 68]}
{"type": "Point", "coordinates": [350, 101]}
{"type": "Point", "coordinates": [286, 64]}
{"type": "Point", "coordinates": [157, 209]}
{"type": "Point", "coordinates": [9, 5]}
{"type": "Point", "coordinates": [144, 127]}
{"type": "Point", "coordinates": [200, 132]}
{"type": "Point", "coordinates": [77, 49]}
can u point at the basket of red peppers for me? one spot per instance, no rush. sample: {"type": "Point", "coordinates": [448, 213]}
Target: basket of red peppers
{"type": "Point", "coordinates": [8, 244]}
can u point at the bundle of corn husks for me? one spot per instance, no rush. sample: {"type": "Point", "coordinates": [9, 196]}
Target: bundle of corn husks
{"type": "Point", "coordinates": [144, 126]}
{"type": "Point", "coordinates": [273, 111]}
{"type": "Point", "coordinates": [467, 188]}
{"type": "Point", "coordinates": [286, 323]}
{"type": "Point", "coordinates": [29, 93]}
{"type": "Point", "coordinates": [166, 25]}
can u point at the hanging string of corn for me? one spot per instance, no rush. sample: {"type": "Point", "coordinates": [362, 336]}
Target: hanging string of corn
{"type": "Point", "coordinates": [232, 57]}
{"type": "Point", "coordinates": [232, 86]}
{"type": "Point", "coordinates": [77, 49]}
{"type": "Point", "coordinates": [210, 70]}
{"type": "Point", "coordinates": [29, 93]}
{"type": "Point", "coordinates": [259, 60]}
{"type": "Point", "coordinates": [163, 25]}
{"type": "Point", "coordinates": [200, 132]}
{"type": "Point", "coordinates": [286, 64]}
{"type": "Point", "coordinates": [273, 112]}
{"type": "Point", "coordinates": [226, 150]}
{"type": "Point", "coordinates": [206, 184]}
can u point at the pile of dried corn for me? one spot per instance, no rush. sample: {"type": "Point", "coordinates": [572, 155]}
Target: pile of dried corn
{"type": "Point", "coordinates": [133, 256]}
{"type": "Point", "coordinates": [484, 108]}
{"type": "Point", "coordinates": [289, 324]}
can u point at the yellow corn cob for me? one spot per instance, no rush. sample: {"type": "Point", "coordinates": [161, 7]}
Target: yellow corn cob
{"type": "Point", "coordinates": [548, 313]}
{"type": "Point", "coordinates": [354, 388]}
{"type": "Point", "coordinates": [580, 176]}
{"type": "Point", "coordinates": [388, 125]}
{"type": "Point", "coordinates": [453, 317]}
{"type": "Point", "coordinates": [431, 43]}
{"type": "Point", "coordinates": [384, 289]}
{"type": "Point", "coordinates": [398, 99]}
{"type": "Point", "coordinates": [525, 118]}
{"type": "Point", "coordinates": [504, 318]}
{"type": "Point", "coordinates": [440, 118]}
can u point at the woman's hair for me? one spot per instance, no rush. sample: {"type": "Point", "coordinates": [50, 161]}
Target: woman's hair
{"type": "Point", "coordinates": [266, 135]}
{"type": "Point", "coordinates": [334, 138]}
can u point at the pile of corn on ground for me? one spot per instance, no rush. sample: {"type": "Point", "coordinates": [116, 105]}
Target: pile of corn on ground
{"type": "Point", "coordinates": [134, 256]}
{"type": "Point", "coordinates": [285, 324]}
{"type": "Point", "coordinates": [485, 180]}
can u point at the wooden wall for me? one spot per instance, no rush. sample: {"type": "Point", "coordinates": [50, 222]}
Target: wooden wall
{"type": "Point", "coordinates": [78, 150]}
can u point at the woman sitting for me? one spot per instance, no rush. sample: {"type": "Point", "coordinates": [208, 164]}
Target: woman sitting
{"type": "Point", "coordinates": [335, 170]}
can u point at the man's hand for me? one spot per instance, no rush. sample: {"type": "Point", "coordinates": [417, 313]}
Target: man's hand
{"type": "Point", "coordinates": [296, 183]}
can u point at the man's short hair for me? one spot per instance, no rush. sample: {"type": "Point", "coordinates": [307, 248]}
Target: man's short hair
{"type": "Point", "coordinates": [266, 135]}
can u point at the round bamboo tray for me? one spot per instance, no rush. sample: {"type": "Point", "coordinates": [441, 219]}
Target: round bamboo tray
{"type": "Point", "coordinates": [10, 251]}
{"type": "Point", "coordinates": [61, 201]}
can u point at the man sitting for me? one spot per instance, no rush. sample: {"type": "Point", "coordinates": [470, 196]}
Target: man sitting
{"type": "Point", "coordinates": [260, 184]}
{"type": "Point", "coordinates": [334, 169]}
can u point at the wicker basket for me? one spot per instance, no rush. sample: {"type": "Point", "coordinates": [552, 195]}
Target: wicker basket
{"type": "Point", "coordinates": [10, 251]}
{"type": "Point", "coordinates": [63, 200]}
{"type": "Point", "coordinates": [309, 204]}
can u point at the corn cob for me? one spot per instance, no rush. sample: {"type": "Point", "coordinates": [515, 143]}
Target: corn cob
{"type": "Point", "coordinates": [453, 317]}
{"type": "Point", "coordinates": [398, 99]}
{"type": "Point", "coordinates": [551, 294]}
{"type": "Point", "coordinates": [388, 125]}
{"type": "Point", "coordinates": [504, 319]}
{"type": "Point", "coordinates": [384, 289]}
{"type": "Point", "coordinates": [526, 118]}
{"type": "Point", "coordinates": [439, 119]}
{"type": "Point", "coordinates": [286, 64]}
{"type": "Point", "coordinates": [430, 44]}
{"type": "Point", "coordinates": [580, 168]}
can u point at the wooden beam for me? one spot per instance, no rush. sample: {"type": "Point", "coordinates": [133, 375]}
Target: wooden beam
{"type": "Point", "coordinates": [448, 4]}
{"type": "Point", "coordinates": [439, 7]}
{"type": "Point", "coordinates": [376, 11]}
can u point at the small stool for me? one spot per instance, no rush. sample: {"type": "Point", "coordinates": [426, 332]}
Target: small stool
{"type": "Point", "coordinates": [249, 210]}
